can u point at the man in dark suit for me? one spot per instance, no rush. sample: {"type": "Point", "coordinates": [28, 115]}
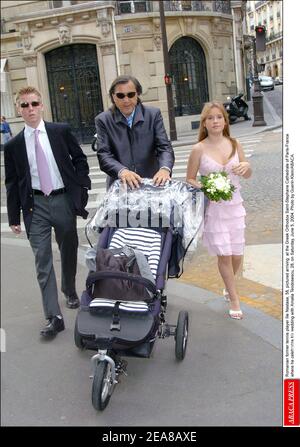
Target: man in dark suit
{"type": "Point", "coordinates": [46, 176]}
{"type": "Point", "coordinates": [131, 139]}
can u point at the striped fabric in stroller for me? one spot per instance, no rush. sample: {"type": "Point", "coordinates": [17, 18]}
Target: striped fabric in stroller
{"type": "Point", "coordinates": [146, 240]}
{"type": "Point", "coordinates": [145, 246]}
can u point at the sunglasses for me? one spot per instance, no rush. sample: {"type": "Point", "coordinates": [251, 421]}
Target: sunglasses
{"type": "Point", "coordinates": [122, 95]}
{"type": "Point", "coordinates": [24, 105]}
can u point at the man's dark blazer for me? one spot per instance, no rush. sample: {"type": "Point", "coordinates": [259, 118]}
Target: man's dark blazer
{"type": "Point", "coordinates": [72, 165]}
{"type": "Point", "coordinates": [143, 149]}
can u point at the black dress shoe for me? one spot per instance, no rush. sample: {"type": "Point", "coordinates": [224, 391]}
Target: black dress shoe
{"type": "Point", "coordinates": [72, 301]}
{"type": "Point", "coordinates": [54, 326]}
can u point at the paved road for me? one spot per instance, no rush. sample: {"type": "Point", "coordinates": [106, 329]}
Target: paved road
{"type": "Point", "coordinates": [275, 98]}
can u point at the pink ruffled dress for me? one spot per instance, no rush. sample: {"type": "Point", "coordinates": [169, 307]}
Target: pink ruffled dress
{"type": "Point", "coordinates": [224, 223]}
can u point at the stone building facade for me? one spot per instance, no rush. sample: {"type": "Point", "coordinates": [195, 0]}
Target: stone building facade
{"type": "Point", "coordinates": [268, 14]}
{"type": "Point", "coordinates": [72, 51]}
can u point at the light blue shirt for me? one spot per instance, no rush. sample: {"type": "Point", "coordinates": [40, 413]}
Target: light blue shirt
{"type": "Point", "coordinates": [129, 118]}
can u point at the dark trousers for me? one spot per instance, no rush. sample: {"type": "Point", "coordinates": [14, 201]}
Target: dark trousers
{"type": "Point", "coordinates": [57, 212]}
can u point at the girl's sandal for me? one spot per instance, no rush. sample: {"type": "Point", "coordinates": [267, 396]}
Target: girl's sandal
{"type": "Point", "coordinates": [236, 314]}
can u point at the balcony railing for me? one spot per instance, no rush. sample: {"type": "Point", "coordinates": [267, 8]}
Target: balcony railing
{"type": "Point", "coordinates": [213, 6]}
{"type": "Point", "coordinates": [132, 7]}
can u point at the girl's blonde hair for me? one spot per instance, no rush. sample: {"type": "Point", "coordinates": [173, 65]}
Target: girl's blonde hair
{"type": "Point", "coordinates": [226, 131]}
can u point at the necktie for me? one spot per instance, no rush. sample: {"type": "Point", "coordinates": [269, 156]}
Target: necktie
{"type": "Point", "coordinates": [42, 166]}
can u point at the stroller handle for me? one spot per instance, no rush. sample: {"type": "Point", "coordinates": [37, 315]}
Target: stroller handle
{"type": "Point", "coordinates": [96, 276]}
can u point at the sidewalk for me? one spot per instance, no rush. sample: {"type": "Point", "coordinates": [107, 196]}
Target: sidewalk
{"type": "Point", "coordinates": [231, 375]}
{"type": "Point", "coordinates": [259, 282]}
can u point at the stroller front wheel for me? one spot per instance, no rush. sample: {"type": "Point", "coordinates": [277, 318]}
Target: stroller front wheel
{"type": "Point", "coordinates": [102, 385]}
{"type": "Point", "coordinates": [181, 335]}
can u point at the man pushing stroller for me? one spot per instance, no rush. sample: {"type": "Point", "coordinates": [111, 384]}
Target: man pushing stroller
{"type": "Point", "coordinates": [131, 138]}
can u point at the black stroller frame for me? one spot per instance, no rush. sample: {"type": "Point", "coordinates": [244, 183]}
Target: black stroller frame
{"type": "Point", "coordinates": [136, 336]}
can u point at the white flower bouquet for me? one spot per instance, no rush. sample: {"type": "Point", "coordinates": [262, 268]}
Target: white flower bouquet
{"type": "Point", "coordinates": [217, 186]}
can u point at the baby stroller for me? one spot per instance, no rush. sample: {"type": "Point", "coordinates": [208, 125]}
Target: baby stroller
{"type": "Point", "coordinates": [123, 309]}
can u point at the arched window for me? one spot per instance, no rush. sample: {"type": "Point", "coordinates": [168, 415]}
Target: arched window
{"type": "Point", "coordinates": [188, 68]}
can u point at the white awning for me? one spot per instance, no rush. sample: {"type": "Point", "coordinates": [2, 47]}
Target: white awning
{"type": "Point", "coordinates": [7, 105]}
{"type": "Point", "coordinates": [4, 77]}
{"type": "Point", "coordinates": [3, 63]}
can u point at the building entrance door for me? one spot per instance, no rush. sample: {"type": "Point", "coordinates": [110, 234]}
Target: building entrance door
{"type": "Point", "coordinates": [74, 87]}
{"type": "Point", "coordinates": [188, 68]}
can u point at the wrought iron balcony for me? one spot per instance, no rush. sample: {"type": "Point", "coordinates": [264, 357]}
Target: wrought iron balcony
{"type": "Point", "coordinates": [132, 7]}
{"type": "Point", "coordinates": [213, 6]}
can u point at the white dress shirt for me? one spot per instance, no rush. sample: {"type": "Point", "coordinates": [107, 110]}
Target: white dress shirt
{"type": "Point", "coordinates": [57, 181]}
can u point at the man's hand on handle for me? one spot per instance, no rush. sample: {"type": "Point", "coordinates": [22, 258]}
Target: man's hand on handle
{"type": "Point", "coordinates": [161, 177]}
{"type": "Point", "coordinates": [130, 178]}
{"type": "Point", "coordinates": [133, 180]}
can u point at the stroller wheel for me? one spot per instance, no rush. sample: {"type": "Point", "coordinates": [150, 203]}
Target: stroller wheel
{"type": "Point", "coordinates": [102, 385]}
{"type": "Point", "coordinates": [181, 335]}
{"type": "Point", "coordinates": [77, 338]}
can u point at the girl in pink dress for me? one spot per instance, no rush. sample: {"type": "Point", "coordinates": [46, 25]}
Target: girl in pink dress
{"type": "Point", "coordinates": [224, 224]}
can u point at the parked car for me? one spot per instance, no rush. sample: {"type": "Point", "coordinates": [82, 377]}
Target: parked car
{"type": "Point", "coordinates": [278, 81]}
{"type": "Point", "coordinates": [266, 82]}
